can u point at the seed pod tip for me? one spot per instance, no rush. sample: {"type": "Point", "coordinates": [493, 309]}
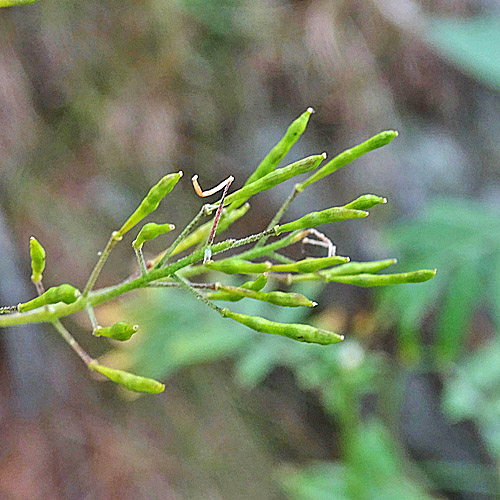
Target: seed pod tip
{"type": "Point", "coordinates": [310, 110]}
{"type": "Point", "coordinates": [324, 155]}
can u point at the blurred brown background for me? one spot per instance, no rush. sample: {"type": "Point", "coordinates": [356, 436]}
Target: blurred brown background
{"type": "Point", "coordinates": [99, 100]}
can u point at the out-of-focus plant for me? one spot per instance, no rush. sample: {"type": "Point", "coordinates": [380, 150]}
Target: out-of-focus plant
{"type": "Point", "coordinates": [461, 237]}
{"type": "Point", "coordinates": [371, 464]}
{"type": "Point", "coordinates": [63, 300]}
{"type": "Point", "coordinates": [471, 43]}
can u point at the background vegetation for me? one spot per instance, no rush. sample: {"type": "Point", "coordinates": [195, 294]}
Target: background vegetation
{"type": "Point", "coordinates": [99, 100]}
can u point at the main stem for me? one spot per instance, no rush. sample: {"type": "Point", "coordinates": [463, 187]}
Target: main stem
{"type": "Point", "coordinates": [60, 309]}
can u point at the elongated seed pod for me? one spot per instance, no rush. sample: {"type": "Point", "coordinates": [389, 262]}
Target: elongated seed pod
{"type": "Point", "coordinates": [37, 254]}
{"type": "Point", "coordinates": [295, 331]}
{"type": "Point", "coordinates": [150, 231]}
{"type": "Point", "coordinates": [278, 298]}
{"type": "Point", "coordinates": [309, 265]}
{"type": "Point", "coordinates": [359, 267]}
{"type": "Point", "coordinates": [151, 201]}
{"type": "Point", "coordinates": [335, 214]}
{"type": "Point", "coordinates": [349, 155]}
{"type": "Point", "coordinates": [273, 179]}
{"type": "Point", "coordinates": [62, 293]}
{"type": "Point", "coordinates": [256, 285]}
{"type": "Point", "coordinates": [129, 380]}
{"type": "Point", "coordinates": [365, 202]}
{"type": "Point", "coordinates": [350, 268]}
{"type": "Point", "coordinates": [385, 279]}
{"type": "Point", "coordinates": [119, 331]}
{"type": "Point", "coordinates": [274, 157]}
{"type": "Point", "coordinates": [201, 234]}
{"type": "Point", "coordinates": [233, 266]}
{"type": "Point", "coordinates": [11, 3]}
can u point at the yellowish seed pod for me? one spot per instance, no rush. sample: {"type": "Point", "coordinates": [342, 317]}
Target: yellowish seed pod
{"type": "Point", "coordinates": [273, 179]}
{"type": "Point", "coordinates": [313, 219]}
{"type": "Point", "coordinates": [150, 231]}
{"type": "Point", "coordinates": [385, 279]}
{"type": "Point", "coordinates": [151, 201]}
{"type": "Point", "coordinates": [358, 268]}
{"type": "Point", "coordinates": [256, 286]}
{"type": "Point", "coordinates": [278, 298]}
{"type": "Point", "coordinates": [129, 380]}
{"type": "Point", "coordinates": [11, 3]}
{"type": "Point", "coordinates": [365, 202]}
{"type": "Point", "coordinates": [119, 331]}
{"type": "Point", "coordinates": [233, 266]}
{"type": "Point", "coordinates": [272, 160]}
{"type": "Point", "coordinates": [62, 293]}
{"type": "Point", "coordinates": [349, 155]}
{"type": "Point", "coordinates": [37, 254]}
{"type": "Point", "coordinates": [309, 265]}
{"type": "Point", "coordinates": [295, 331]}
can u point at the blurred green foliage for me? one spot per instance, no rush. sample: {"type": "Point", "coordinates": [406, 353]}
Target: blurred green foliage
{"type": "Point", "coordinates": [472, 43]}
{"type": "Point", "coordinates": [462, 238]}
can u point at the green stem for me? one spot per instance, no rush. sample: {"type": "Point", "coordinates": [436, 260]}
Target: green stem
{"type": "Point", "coordinates": [279, 214]}
{"type": "Point", "coordinates": [60, 309]}
{"type": "Point", "coordinates": [8, 309]}
{"type": "Point", "coordinates": [255, 253]}
{"type": "Point", "coordinates": [170, 284]}
{"type": "Point", "coordinates": [72, 342]}
{"type": "Point", "coordinates": [92, 317]}
{"type": "Point", "coordinates": [187, 286]}
{"type": "Point", "coordinates": [113, 240]}
{"type": "Point", "coordinates": [140, 259]}
{"type": "Point", "coordinates": [185, 232]}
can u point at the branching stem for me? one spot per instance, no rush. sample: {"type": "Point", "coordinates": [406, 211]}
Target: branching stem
{"type": "Point", "coordinates": [84, 356]}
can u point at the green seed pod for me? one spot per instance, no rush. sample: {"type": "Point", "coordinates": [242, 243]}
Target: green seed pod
{"type": "Point", "coordinates": [11, 3]}
{"type": "Point", "coordinates": [233, 266]}
{"type": "Point", "coordinates": [309, 265]}
{"type": "Point", "coordinates": [350, 155]}
{"type": "Point", "coordinates": [201, 234]}
{"type": "Point", "coordinates": [150, 231]}
{"type": "Point", "coordinates": [256, 286]}
{"type": "Point", "coordinates": [302, 333]}
{"type": "Point", "coordinates": [151, 201]}
{"type": "Point", "coordinates": [129, 380]}
{"type": "Point", "coordinates": [37, 254]}
{"type": "Point", "coordinates": [273, 179]}
{"type": "Point", "coordinates": [335, 214]}
{"type": "Point", "coordinates": [359, 267]}
{"type": "Point", "coordinates": [385, 279]}
{"type": "Point", "coordinates": [278, 298]}
{"type": "Point", "coordinates": [62, 293]}
{"type": "Point", "coordinates": [272, 160]}
{"type": "Point", "coordinates": [119, 331]}
{"type": "Point", "coordinates": [365, 202]}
